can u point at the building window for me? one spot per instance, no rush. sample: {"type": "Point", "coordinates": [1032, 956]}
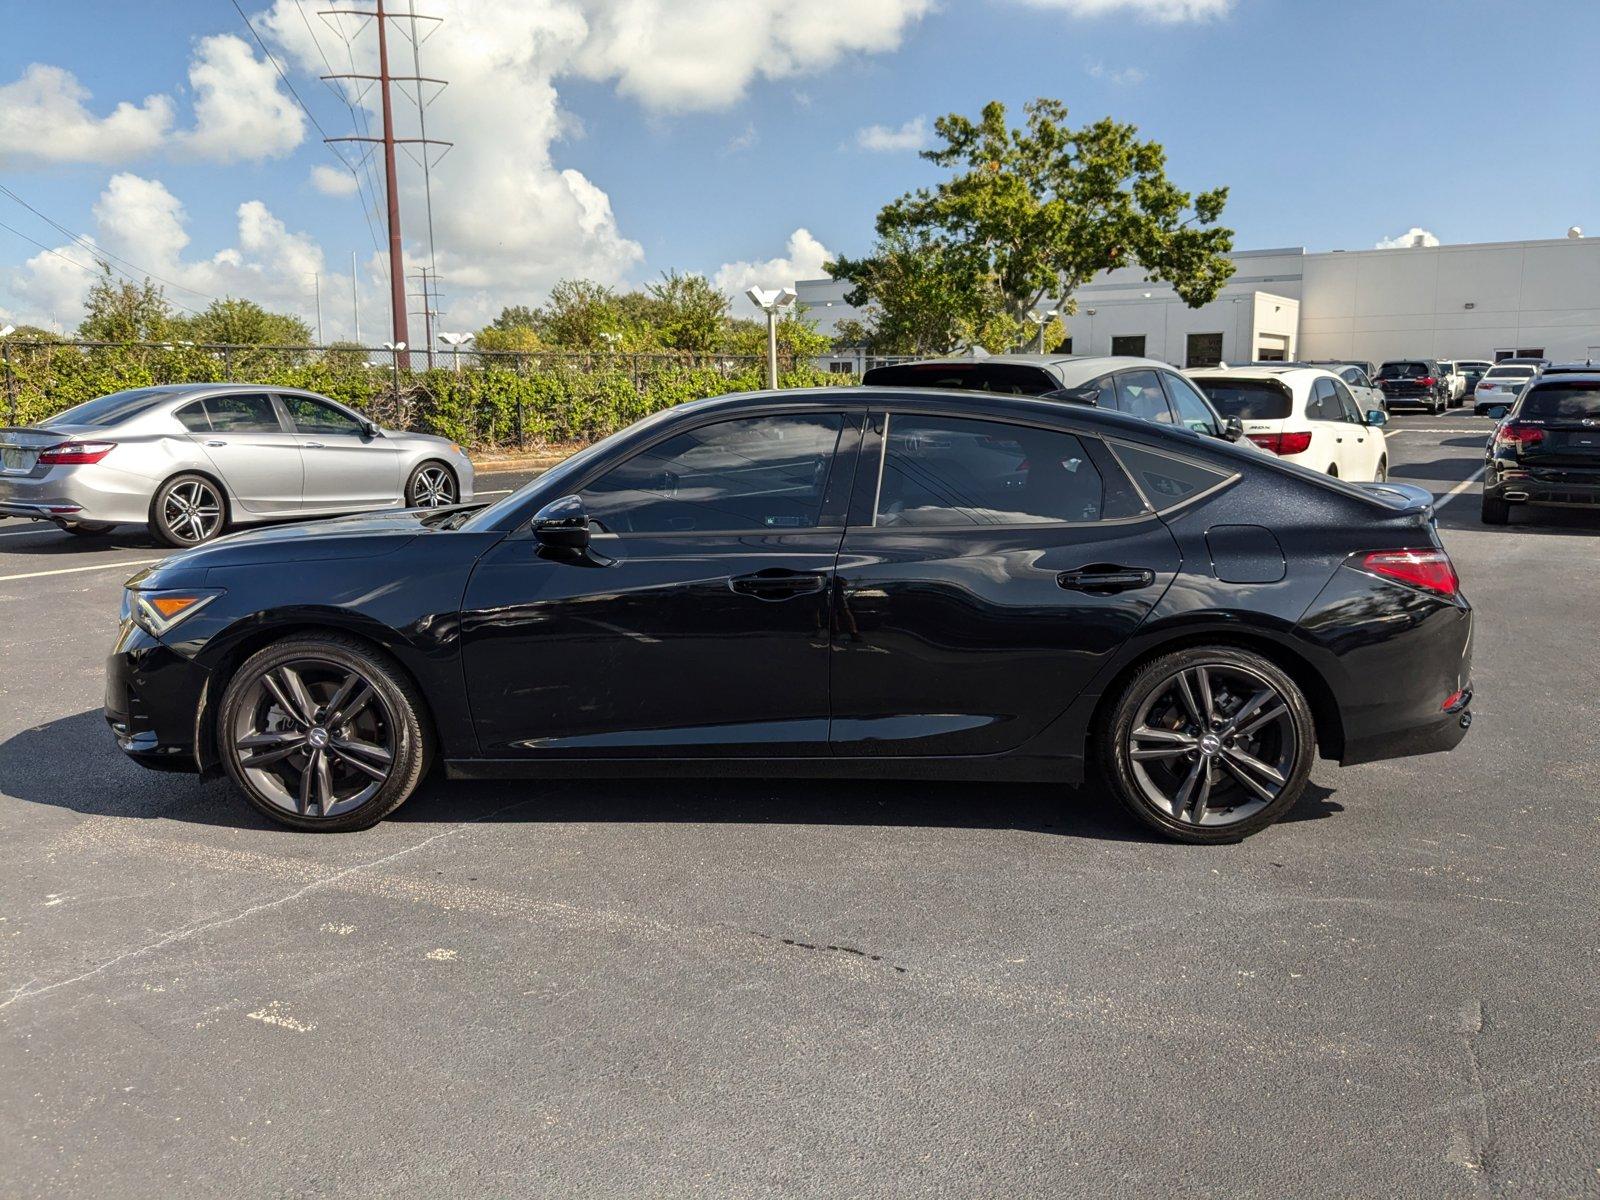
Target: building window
{"type": "Point", "coordinates": [1203, 350]}
{"type": "Point", "coordinates": [1065, 347]}
{"type": "Point", "coordinates": [1524, 352]}
{"type": "Point", "coordinates": [1129, 345]}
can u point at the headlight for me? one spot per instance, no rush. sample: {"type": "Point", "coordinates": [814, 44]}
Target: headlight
{"type": "Point", "coordinates": [156, 612]}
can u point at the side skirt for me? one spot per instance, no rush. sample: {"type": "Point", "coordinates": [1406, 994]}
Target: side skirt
{"type": "Point", "coordinates": [1030, 769]}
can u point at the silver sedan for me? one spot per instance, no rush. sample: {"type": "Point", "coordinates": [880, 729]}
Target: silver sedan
{"type": "Point", "coordinates": [190, 460]}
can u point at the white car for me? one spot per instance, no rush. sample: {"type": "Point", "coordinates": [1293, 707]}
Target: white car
{"type": "Point", "coordinates": [1456, 379]}
{"type": "Point", "coordinates": [1500, 387]}
{"type": "Point", "coordinates": [1305, 415]}
{"type": "Point", "coordinates": [1368, 394]}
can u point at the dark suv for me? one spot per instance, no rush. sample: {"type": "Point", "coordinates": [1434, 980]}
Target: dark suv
{"type": "Point", "coordinates": [1414, 381]}
{"type": "Point", "coordinates": [1547, 451]}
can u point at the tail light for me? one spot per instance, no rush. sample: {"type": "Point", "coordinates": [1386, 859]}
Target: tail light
{"type": "Point", "coordinates": [1283, 443]}
{"type": "Point", "coordinates": [1430, 570]}
{"type": "Point", "coordinates": [75, 454]}
{"type": "Point", "coordinates": [1427, 381]}
{"type": "Point", "coordinates": [1486, 386]}
{"type": "Point", "coordinates": [1513, 436]}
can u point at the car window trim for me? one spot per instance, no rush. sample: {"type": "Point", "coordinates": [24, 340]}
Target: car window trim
{"type": "Point", "coordinates": [1203, 465]}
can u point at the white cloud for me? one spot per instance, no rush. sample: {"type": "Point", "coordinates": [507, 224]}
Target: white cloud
{"type": "Point", "coordinates": [333, 181]}
{"type": "Point", "coordinates": [1415, 236]}
{"type": "Point", "coordinates": [1165, 11]}
{"type": "Point", "coordinates": [883, 139]}
{"type": "Point", "coordinates": [1121, 76]}
{"type": "Point", "coordinates": [744, 140]}
{"type": "Point", "coordinates": [240, 109]}
{"type": "Point", "coordinates": [803, 260]}
{"type": "Point", "coordinates": [44, 117]}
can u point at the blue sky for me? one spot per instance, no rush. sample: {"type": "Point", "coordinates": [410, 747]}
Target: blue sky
{"type": "Point", "coordinates": [704, 141]}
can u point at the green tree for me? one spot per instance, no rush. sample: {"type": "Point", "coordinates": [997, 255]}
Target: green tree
{"type": "Point", "coordinates": [920, 298]}
{"type": "Point", "coordinates": [689, 313]}
{"type": "Point", "coordinates": [515, 329]}
{"type": "Point", "coordinates": [119, 310]}
{"type": "Point", "coordinates": [579, 314]}
{"type": "Point", "coordinates": [797, 338]}
{"type": "Point", "coordinates": [243, 323]}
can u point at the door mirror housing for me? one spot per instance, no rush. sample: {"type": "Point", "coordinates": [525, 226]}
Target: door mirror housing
{"type": "Point", "coordinates": [1232, 429]}
{"type": "Point", "coordinates": [1498, 412]}
{"type": "Point", "coordinates": [1376, 416]}
{"type": "Point", "coordinates": [562, 523]}
{"type": "Point", "coordinates": [369, 429]}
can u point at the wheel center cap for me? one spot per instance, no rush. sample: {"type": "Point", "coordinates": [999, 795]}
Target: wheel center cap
{"type": "Point", "coordinates": [318, 737]}
{"type": "Point", "coordinates": [1210, 743]}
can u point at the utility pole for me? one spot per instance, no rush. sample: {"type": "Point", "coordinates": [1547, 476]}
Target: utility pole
{"type": "Point", "coordinates": [397, 271]}
{"type": "Point", "coordinates": [316, 283]}
{"type": "Point", "coordinates": [355, 297]}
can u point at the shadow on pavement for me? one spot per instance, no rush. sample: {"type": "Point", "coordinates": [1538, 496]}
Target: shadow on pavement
{"type": "Point", "coordinates": [51, 542]}
{"type": "Point", "coordinates": [72, 763]}
{"type": "Point", "coordinates": [1527, 522]}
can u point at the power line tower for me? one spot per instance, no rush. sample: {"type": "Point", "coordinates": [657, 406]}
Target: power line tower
{"type": "Point", "coordinates": [429, 295]}
{"type": "Point", "coordinates": [380, 19]}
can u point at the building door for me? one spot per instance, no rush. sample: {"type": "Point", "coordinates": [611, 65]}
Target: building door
{"type": "Point", "coordinates": [1272, 347]}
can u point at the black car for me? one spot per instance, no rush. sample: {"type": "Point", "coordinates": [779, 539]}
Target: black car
{"type": "Point", "coordinates": [872, 582]}
{"type": "Point", "coordinates": [1547, 449]}
{"type": "Point", "coordinates": [1414, 381]}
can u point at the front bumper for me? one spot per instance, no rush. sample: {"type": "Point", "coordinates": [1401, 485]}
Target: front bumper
{"type": "Point", "coordinates": [153, 696]}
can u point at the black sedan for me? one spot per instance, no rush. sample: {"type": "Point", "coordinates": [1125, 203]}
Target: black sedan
{"type": "Point", "coordinates": [872, 582]}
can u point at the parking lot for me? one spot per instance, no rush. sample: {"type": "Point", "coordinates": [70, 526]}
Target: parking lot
{"type": "Point", "coordinates": [741, 988]}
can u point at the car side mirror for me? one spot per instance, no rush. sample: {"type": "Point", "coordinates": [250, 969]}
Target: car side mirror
{"type": "Point", "coordinates": [562, 523]}
{"type": "Point", "coordinates": [1232, 429]}
{"type": "Point", "coordinates": [1498, 411]}
{"type": "Point", "coordinates": [1376, 416]}
{"type": "Point", "coordinates": [369, 429]}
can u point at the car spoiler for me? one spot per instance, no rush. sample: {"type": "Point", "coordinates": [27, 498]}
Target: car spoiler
{"type": "Point", "coordinates": [1401, 497]}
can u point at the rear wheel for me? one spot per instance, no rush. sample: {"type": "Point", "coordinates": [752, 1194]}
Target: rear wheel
{"type": "Point", "coordinates": [1209, 744]}
{"type": "Point", "coordinates": [1382, 473]}
{"type": "Point", "coordinates": [188, 510]}
{"type": "Point", "coordinates": [1495, 511]}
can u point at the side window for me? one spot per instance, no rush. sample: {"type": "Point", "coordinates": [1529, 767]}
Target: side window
{"type": "Point", "coordinates": [1167, 481]}
{"type": "Point", "coordinates": [1099, 393]}
{"type": "Point", "coordinates": [245, 413]}
{"type": "Point", "coordinates": [194, 417]}
{"type": "Point", "coordinates": [1139, 395]}
{"type": "Point", "coordinates": [1349, 410]}
{"type": "Point", "coordinates": [1324, 404]}
{"type": "Point", "coordinates": [1193, 410]}
{"type": "Point", "coordinates": [758, 473]}
{"type": "Point", "coordinates": [313, 416]}
{"type": "Point", "coordinates": [952, 472]}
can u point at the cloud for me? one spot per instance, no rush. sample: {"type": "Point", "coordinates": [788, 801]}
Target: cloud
{"type": "Point", "coordinates": [1168, 12]}
{"type": "Point", "coordinates": [333, 181]}
{"type": "Point", "coordinates": [1123, 76]}
{"type": "Point", "coordinates": [881, 139]}
{"type": "Point", "coordinates": [744, 140]}
{"type": "Point", "coordinates": [803, 261]}
{"type": "Point", "coordinates": [1415, 236]}
{"type": "Point", "coordinates": [44, 118]}
{"type": "Point", "coordinates": [240, 109]}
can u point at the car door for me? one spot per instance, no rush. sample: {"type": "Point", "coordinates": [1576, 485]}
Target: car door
{"type": "Point", "coordinates": [256, 456]}
{"type": "Point", "coordinates": [1362, 445]}
{"type": "Point", "coordinates": [345, 468]}
{"type": "Point", "coordinates": [988, 570]}
{"type": "Point", "coordinates": [1327, 427]}
{"type": "Point", "coordinates": [697, 623]}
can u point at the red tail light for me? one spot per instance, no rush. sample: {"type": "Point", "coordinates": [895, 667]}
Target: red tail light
{"type": "Point", "coordinates": [1427, 381]}
{"type": "Point", "coordinates": [1283, 443]}
{"type": "Point", "coordinates": [1517, 436]}
{"type": "Point", "coordinates": [1486, 386]}
{"type": "Point", "coordinates": [1430, 570]}
{"type": "Point", "coordinates": [70, 454]}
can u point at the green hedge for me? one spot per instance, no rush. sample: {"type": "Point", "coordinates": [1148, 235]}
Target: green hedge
{"type": "Point", "coordinates": [483, 408]}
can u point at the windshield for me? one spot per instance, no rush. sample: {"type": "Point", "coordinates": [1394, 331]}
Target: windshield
{"type": "Point", "coordinates": [1403, 370]}
{"type": "Point", "coordinates": [108, 410]}
{"type": "Point", "coordinates": [1561, 401]}
{"type": "Point", "coordinates": [1247, 399]}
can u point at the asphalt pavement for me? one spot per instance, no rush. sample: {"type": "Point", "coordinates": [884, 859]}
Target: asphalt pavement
{"type": "Point", "coordinates": [756, 988]}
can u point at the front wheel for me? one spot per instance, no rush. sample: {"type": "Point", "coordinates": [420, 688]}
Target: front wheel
{"type": "Point", "coordinates": [1208, 744]}
{"type": "Point", "coordinates": [187, 510]}
{"type": "Point", "coordinates": [323, 733]}
{"type": "Point", "coordinates": [432, 485]}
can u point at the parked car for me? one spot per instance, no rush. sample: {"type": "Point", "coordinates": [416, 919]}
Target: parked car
{"type": "Point", "coordinates": [1499, 388]}
{"type": "Point", "coordinates": [863, 582]}
{"type": "Point", "coordinates": [1572, 368]}
{"type": "Point", "coordinates": [1455, 382]}
{"type": "Point", "coordinates": [1473, 370]}
{"type": "Point", "coordinates": [1547, 450]}
{"type": "Point", "coordinates": [1415, 381]}
{"type": "Point", "coordinates": [192, 460]}
{"type": "Point", "coordinates": [1141, 387]}
{"type": "Point", "coordinates": [1305, 415]}
{"type": "Point", "coordinates": [1357, 377]}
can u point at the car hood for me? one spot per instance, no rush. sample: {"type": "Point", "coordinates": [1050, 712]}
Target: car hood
{"type": "Point", "coordinates": [365, 535]}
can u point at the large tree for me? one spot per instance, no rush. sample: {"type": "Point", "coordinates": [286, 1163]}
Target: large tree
{"type": "Point", "coordinates": [233, 322]}
{"type": "Point", "coordinates": [119, 310]}
{"type": "Point", "coordinates": [1034, 213]}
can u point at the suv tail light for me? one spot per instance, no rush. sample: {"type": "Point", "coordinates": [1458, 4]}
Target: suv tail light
{"type": "Point", "coordinates": [1430, 570]}
{"type": "Point", "coordinates": [1427, 381]}
{"type": "Point", "coordinates": [69, 454]}
{"type": "Point", "coordinates": [1283, 443]}
{"type": "Point", "coordinates": [1515, 436]}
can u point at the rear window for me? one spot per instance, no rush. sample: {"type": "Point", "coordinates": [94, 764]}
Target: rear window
{"type": "Point", "coordinates": [1558, 401]}
{"type": "Point", "coordinates": [1247, 399]}
{"type": "Point", "coordinates": [108, 410]}
{"type": "Point", "coordinates": [1403, 370]}
{"type": "Point", "coordinates": [1009, 378]}
{"type": "Point", "coordinates": [1510, 373]}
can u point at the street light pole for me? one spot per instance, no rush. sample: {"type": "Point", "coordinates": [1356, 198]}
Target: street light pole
{"type": "Point", "coordinates": [455, 341]}
{"type": "Point", "coordinates": [11, 383]}
{"type": "Point", "coordinates": [772, 303]}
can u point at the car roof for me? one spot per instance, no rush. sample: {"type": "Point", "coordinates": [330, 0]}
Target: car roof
{"type": "Point", "coordinates": [1287, 372]}
{"type": "Point", "coordinates": [1572, 374]}
{"type": "Point", "coordinates": [1070, 369]}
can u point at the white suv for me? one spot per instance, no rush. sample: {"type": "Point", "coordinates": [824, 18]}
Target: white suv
{"type": "Point", "coordinates": [1303, 414]}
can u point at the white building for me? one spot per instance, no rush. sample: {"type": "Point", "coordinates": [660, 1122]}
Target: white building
{"type": "Point", "coordinates": [1489, 300]}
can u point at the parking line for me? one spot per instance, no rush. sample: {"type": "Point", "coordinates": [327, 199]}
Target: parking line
{"type": "Point", "coordinates": [500, 492]}
{"type": "Point", "coordinates": [1458, 489]}
{"type": "Point", "coordinates": [143, 562]}
{"type": "Point", "coordinates": [29, 532]}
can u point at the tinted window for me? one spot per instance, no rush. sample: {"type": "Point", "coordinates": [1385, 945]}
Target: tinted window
{"type": "Point", "coordinates": [1167, 481]}
{"type": "Point", "coordinates": [1010, 378]}
{"type": "Point", "coordinates": [757, 473]}
{"type": "Point", "coordinates": [193, 417]}
{"type": "Point", "coordinates": [1130, 346]}
{"type": "Point", "coordinates": [1403, 370]}
{"type": "Point", "coordinates": [108, 410]}
{"type": "Point", "coordinates": [1348, 409]}
{"type": "Point", "coordinates": [1100, 393]}
{"type": "Point", "coordinates": [954, 472]}
{"type": "Point", "coordinates": [1247, 399]}
{"type": "Point", "coordinates": [1202, 350]}
{"type": "Point", "coordinates": [241, 414]}
{"type": "Point", "coordinates": [1509, 373]}
{"type": "Point", "coordinates": [1558, 401]}
{"type": "Point", "coordinates": [1193, 410]}
{"type": "Point", "coordinates": [1323, 404]}
{"type": "Point", "coordinates": [1139, 394]}
{"type": "Point", "coordinates": [315, 416]}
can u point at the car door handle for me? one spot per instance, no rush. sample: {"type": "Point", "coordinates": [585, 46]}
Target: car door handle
{"type": "Point", "coordinates": [312, 445]}
{"type": "Point", "coordinates": [776, 583]}
{"type": "Point", "coordinates": [216, 442]}
{"type": "Point", "coordinates": [1103, 579]}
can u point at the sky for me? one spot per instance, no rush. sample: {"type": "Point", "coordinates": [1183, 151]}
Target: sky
{"type": "Point", "coordinates": [747, 140]}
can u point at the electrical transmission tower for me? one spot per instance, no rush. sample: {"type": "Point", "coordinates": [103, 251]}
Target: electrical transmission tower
{"type": "Point", "coordinates": [429, 295]}
{"type": "Point", "coordinates": [380, 19]}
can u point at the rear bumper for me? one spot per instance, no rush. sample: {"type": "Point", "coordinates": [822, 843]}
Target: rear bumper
{"type": "Point", "coordinates": [77, 493]}
{"type": "Point", "coordinates": [1575, 487]}
{"type": "Point", "coordinates": [153, 697]}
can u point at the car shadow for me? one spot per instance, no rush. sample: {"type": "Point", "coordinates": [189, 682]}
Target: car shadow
{"type": "Point", "coordinates": [49, 541]}
{"type": "Point", "coordinates": [1463, 516]}
{"type": "Point", "coordinates": [73, 763]}
{"type": "Point", "coordinates": [1440, 470]}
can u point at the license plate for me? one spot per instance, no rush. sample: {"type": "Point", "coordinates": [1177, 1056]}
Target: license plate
{"type": "Point", "coordinates": [13, 458]}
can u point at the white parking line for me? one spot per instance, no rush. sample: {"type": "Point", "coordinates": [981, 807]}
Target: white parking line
{"type": "Point", "coordinates": [29, 532]}
{"type": "Point", "coordinates": [1458, 489]}
{"type": "Point", "coordinates": [143, 562]}
{"type": "Point", "coordinates": [499, 492]}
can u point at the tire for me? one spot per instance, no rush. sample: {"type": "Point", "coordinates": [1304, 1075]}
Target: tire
{"type": "Point", "coordinates": [432, 485]}
{"type": "Point", "coordinates": [1333, 470]}
{"type": "Point", "coordinates": [1495, 511]}
{"type": "Point", "coordinates": [188, 510]}
{"type": "Point", "coordinates": [1242, 784]}
{"type": "Point", "coordinates": [1382, 473]}
{"type": "Point", "coordinates": [87, 528]}
{"type": "Point", "coordinates": [275, 708]}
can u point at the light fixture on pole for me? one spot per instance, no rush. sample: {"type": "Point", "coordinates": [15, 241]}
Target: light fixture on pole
{"type": "Point", "coordinates": [395, 349]}
{"type": "Point", "coordinates": [772, 303]}
{"type": "Point", "coordinates": [1040, 320]}
{"type": "Point", "coordinates": [455, 341]}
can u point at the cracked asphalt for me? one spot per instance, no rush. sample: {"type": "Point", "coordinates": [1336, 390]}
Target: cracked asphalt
{"type": "Point", "coordinates": [753, 988]}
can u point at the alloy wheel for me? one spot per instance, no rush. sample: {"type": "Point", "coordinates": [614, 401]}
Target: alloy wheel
{"type": "Point", "coordinates": [435, 487]}
{"type": "Point", "coordinates": [315, 738]}
{"type": "Point", "coordinates": [192, 511]}
{"type": "Point", "coordinates": [1213, 745]}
